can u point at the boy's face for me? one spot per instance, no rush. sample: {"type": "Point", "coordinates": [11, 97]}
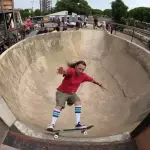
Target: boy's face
{"type": "Point", "coordinates": [80, 69]}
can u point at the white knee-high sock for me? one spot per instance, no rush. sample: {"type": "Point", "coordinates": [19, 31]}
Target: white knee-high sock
{"type": "Point", "coordinates": [78, 113]}
{"type": "Point", "coordinates": [56, 114]}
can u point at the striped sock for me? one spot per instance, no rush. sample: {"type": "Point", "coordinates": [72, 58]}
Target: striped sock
{"type": "Point", "coordinates": [56, 113]}
{"type": "Point", "coordinates": [78, 113]}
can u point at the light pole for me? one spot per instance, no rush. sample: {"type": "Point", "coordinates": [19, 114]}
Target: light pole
{"type": "Point", "coordinates": [32, 2]}
{"type": "Point", "coordinates": [79, 7]}
{"type": "Point", "coordinates": [79, 14]}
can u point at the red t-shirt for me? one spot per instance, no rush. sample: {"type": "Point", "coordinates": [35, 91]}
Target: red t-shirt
{"type": "Point", "coordinates": [72, 81]}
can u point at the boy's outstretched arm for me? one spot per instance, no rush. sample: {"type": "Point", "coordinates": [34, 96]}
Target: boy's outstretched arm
{"type": "Point", "coordinates": [65, 72]}
{"type": "Point", "coordinates": [99, 84]}
{"type": "Point", "coordinates": [90, 79]}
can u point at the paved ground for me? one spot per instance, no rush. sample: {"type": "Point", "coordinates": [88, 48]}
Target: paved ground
{"type": "Point", "coordinates": [135, 40]}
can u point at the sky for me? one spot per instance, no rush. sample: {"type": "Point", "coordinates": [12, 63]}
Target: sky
{"type": "Point", "coordinates": [97, 4]}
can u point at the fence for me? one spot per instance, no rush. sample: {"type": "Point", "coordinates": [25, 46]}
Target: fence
{"type": "Point", "coordinates": [140, 34]}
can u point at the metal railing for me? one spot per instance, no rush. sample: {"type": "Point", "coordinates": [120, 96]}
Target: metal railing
{"type": "Point", "coordinates": [137, 33]}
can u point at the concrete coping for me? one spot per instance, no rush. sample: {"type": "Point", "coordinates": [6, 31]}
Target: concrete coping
{"type": "Point", "coordinates": [24, 129]}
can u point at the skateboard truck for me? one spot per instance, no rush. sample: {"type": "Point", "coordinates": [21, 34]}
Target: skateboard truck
{"type": "Point", "coordinates": [83, 131]}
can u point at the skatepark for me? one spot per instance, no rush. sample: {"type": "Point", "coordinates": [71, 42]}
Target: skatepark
{"type": "Point", "coordinates": [29, 81]}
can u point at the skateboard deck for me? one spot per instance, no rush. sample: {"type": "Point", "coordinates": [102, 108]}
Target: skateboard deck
{"type": "Point", "coordinates": [83, 131]}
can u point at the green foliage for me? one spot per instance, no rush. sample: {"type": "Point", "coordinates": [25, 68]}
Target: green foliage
{"type": "Point", "coordinates": [28, 13]}
{"type": "Point", "coordinates": [97, 12]}
{"type": "Point", "coordinates": [119, 10]}
{"type": "Point", "coordinates": [25, 13]}
{"type": "Point", "coordinates": [123, 20]}
{"type": "Point", "coordinates": [107, 12]}
{"type": "Point", "coordinates": [140, 13]}
{"type": "Point", "coordinates": [77, 6]}
{"type": "Point", "coordinates": [37, 12]}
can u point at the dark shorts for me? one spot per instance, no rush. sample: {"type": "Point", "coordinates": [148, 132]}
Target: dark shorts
{"type": "Point", "coordinates": [62, 98]}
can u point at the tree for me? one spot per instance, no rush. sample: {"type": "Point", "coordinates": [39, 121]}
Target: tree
{"type": "Point", "coordinates": [25, 13]}
{"type": "Point", "coordinates": [77, 6]}
{"type": "Point", "coordinates": [107, 12]}
{"type": "Point", "coordinates": [97, 12]}
{"type": "Point", "coordinates": [44, 13]}
{"type": "Point", "coordinates": [37, 12]}
{"type": "Point", "coordinates": [140, 13]}
{"type": "Point", "coordinates": [119, 10]}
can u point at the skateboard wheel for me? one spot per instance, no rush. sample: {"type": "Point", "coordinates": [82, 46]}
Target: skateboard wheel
{"type": "Point", "coordinates": [85, 133]}
{"type": "Point", "coordinates": [56, 136]}
{"type": "Point", "coordinates": [82, 131]}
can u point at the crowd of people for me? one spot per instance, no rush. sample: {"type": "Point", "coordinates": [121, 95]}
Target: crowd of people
{"type": "Point", "coordinates": [61, 25]}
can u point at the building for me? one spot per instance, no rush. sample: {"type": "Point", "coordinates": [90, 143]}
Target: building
{"type": "Point", "coordinates": [45, 5]}
{"type": "Point", "coordinates": [6, 5]}
{"type": "Point", "coordinates": [10, 23]}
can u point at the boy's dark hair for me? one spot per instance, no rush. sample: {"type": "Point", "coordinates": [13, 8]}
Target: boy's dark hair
{"type": "Point", "coordinates": [73, 65]}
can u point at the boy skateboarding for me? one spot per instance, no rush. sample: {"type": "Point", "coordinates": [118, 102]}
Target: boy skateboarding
{"type": "Point", "coordinates": [66, 92]}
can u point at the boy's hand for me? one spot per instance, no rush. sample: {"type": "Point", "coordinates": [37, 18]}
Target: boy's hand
{"type": "Point", "coordinates": [60, 70]}
{"type": "Point", "coordinates": [102, 87]}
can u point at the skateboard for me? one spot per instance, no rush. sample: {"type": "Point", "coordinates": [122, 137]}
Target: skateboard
{"type": "Point", "coordinates": [83, 131]}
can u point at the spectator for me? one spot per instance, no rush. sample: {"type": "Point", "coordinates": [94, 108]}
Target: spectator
{"type": "Point", "coordinates": [77, 25]}
{"type": "Point", "coordinates": [64, 26]}
{"type": "Point", "coordinates": [95, 23]}
{"type": "Point", "coordinates": [56, 29]}
{"type": "Point", "coordinates": [111, 28]}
